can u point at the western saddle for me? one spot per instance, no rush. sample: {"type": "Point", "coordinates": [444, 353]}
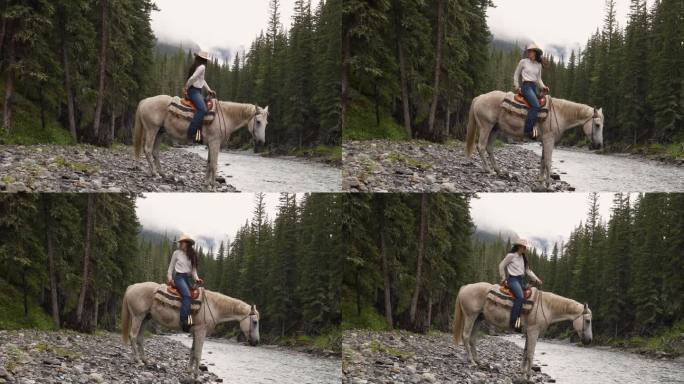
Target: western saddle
{"type": "Point", "coordinates": [527, 290]}
{"type": "Point", "coordinates": [521, 99]}
{"type": "Point", "coordinates": [194, 291]}
{"type": "Point", "coordinates": [185, 100]}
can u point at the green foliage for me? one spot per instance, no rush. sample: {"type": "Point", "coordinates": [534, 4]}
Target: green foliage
{"type": "Point", "coordinates": [12, 310]}
{"type": "Point", "coordinates": [28, 129]}
{"type": "Point", "coordinates": [369, 318]}
{"type": "Point", "coordinates": [362, 124]}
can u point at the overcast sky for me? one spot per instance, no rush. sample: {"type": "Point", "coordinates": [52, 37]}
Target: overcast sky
{"type": "Point", "coordinates": [216, 23]}
{"type": "Point", "coordinates": [530, 215]}
{"type": "Point", "coordinates": [560, 22]}
{"type": "Point", "coordinates": [213, 215]}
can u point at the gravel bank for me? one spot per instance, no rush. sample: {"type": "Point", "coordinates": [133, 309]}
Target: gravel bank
{"type": "Point", "coordinates": [84, 168]}
{"type": "Point", "coordinates": [28, 357]}
{"type": "Point", "coordinates": [418, 166]}
{"type": "Point", "coordinates": [403, 357]}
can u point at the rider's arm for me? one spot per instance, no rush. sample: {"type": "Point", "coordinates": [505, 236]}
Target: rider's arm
{"type": "Point", "coordinates": [194, 273]}
{"type": "Point", "coordinates": [532, 275]}
{"type": "Point", "coordinates": [172, 264]}
{"type": "Point", "coordinates": [502, 265]}
{"type": "Point", "coordinates": [516, 76]}
{"type": "Point", "coordinates": [540, 82]}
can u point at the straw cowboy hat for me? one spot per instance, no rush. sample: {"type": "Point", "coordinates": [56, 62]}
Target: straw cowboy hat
{"type": "Point", "coordinates": [534, 47]}
{"type": "Point", "coordinates": [522, 242]}
{"type": "Point", "coordinates": [186, 238]}
{"type": "Point", "coordinates": [203, 54]}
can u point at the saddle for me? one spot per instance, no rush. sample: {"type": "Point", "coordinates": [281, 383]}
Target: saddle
{"type": "Point", "coordinates": [186, 110]}
{"type": "Point", "coordinates": [208, 102]}
{"type": "Point", "coordinates": [503, 296]}
{"type": "Point", "coordinates": [517, 107]}
{"type": "Point", "coordinates": [522, 100]}
{"type": "Point", "coordinates": [194, 292]}
{"type": "Point", "coordinates": [506, 290]}
{"type": "Point", "coordinates": [169, 296]}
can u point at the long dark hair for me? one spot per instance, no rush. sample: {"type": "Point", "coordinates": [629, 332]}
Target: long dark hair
{"type": "Point", "coordinates": [515, 250]}
{"type": "Point", "coordinates": [198, 61]}
{"type": "Point", "coordinates": [192, 255]}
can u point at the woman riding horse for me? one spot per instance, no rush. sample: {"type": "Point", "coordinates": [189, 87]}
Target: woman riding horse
{"type": "Point", "coordinates": [193, 88]}
{"type": "Point", "coordinates": [512, 269]}
{"type": "Point", "coordinates": [183, 262]}
{"type": "Point", "coordinates": [530, 69]}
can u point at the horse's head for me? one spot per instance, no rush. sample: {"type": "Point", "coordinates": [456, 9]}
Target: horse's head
{"type": "Point", "coordinates": [257, 127]}
{"type": "Point", "coordinates": [582, 325]}
{"type": "Point", "coordinates": [249, 326]}
{"type": "Point", "coordinates": [593, 129]}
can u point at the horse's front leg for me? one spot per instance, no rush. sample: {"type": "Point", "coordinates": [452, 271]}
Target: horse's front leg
{"type": "Point", "coordinates": [199, 334]}
{"type": "Point", "coordinates": [155, 155]}
{"type": "Point", "coordinates": [530, 345]}
{"type": "Point", "coordinates": [212, 160]}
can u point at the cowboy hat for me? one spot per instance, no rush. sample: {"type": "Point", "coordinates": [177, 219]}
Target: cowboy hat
{"type": "Point", "coordinates": [186, 238]}
{"type": "Point", "coordinates": [202, 54]}
{"type": "Point", "coordinates": [522, 242]}
{"type": "Point", "coordinates": [534, 47]}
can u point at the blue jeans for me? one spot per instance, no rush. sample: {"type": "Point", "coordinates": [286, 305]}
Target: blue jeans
{"type": "Point", "coordinates": [529, 91]}
{"type": "Point", "coordinates": [195, 94]}
{"type": "Point", "coordinates": [515, 283]}
{"type": "Point", "coordinates": [182, 281]}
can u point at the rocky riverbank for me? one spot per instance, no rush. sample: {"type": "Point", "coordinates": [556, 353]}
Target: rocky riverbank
{"type": "Point", "coordinates": [29, 357]}
{"type": "Point", "coordinates": [403, 357]}
{"type": "Point", "coordinates": [84, 168]}
{"type": "Point", "coordinates": [418, 166]}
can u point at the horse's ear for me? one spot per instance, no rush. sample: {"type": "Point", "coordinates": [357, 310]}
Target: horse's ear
{"type": "Point", "coordinates": [266, 109]}
{"type": "Point", "coordinates": [586, 306]}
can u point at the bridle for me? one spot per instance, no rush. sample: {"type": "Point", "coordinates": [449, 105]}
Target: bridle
{"type": "Point", "coordinates": [592, 118]}
{"type": "Point", "coordinates": [250, 314]}
{"type": "Point", "coordinates": [584, 313]}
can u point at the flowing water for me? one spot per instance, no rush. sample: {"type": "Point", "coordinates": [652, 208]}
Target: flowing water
{"type": "Point", "coordinates": [591, 172]}
{"type": "Point", "coordinates": [568, 363]}
{"type": "Point", "coordinates": [239, 363]}
{"type": "Point", "coordinates": [250, 172]}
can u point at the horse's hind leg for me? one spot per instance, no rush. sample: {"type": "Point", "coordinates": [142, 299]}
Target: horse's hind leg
{"type": "Point", "coordinates": [155, 154]}
{"type": "Point", "coordinates": [150, 144]}
{"type": "Point", "coordinates": [139, 339]}
{"type": "Point", "coordinates": [196, 354]}
{"type": "Point", "coordinates": [490, 151]}
{"type": "Point", "coordinates": [136, 323]}
{"type": "Point", "coordinates": [468, 340]}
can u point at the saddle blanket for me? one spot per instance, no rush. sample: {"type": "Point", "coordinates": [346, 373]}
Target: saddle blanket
{"type": "Point", "coordinates": [179, 110]}
{"type": "Point", "coordinates": [495, 295]}
{"type": "Point", "coordinates": [515, 108]}
{"type": "Point", "coordinates": [164, 297]}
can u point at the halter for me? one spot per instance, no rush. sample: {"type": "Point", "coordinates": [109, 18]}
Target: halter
{"type": "Point", "coordinates": [593, 123]}
{"type": "Point", "coordinates": [584, 313]}
{"type": "Point", "coordinates": [250, 314]}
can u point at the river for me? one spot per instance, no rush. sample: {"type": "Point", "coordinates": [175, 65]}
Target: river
{"type": "Point", "coordinates": [250, 172]}
{"type": "Point", "coordinates": [568, 363]}
{"type": "Point", "coordinates": [240, 363]}
{"type": "Point", "coordinates": [591, 172]}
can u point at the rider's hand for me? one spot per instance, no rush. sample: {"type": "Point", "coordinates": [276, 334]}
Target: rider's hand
{"type": "Point", "coordinates": [200, 281]}
{"type": "Point", "coordinates": [547, 89]}
{"type": "Point", "coordinates": [540, 282]}
{"type": "Point", "coordinates": [503, 282]}
{"type": "Point", "coordinates": [212, 93]}
{"type": "Point", "coordinates": [516, 89]}
{"type": "Point", "coordinates": [170, 283]}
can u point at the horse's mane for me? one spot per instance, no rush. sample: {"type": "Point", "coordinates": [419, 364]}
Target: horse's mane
{"type": "Point", "coordinates": [560, 304]}
{"type": "Point", "coordinates": [238, 111]}
{"type": "Point", "coordinates": [578, 109]}
{"type": "Point", "coordinates": [227, 304]}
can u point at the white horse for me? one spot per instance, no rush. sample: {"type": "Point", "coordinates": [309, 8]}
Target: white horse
{"type": "Point", "coordinates": [486, 114]}
{"type": "Point", "coordinates": [139, 306]}
{"type": "Point", "coordinates": [548, 308]}
{"type": "Point", "coordinates": [152, 114]}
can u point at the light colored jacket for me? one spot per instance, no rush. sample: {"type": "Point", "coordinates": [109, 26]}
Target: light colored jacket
{"type": "Point", "coordinates": [197, 79]}
{"type": "Point", "coordinates": [529, 70]}
{"type": "Point", "coordinates": [180, 263]}
{"type": "Point", "coordinates": [514, 265]}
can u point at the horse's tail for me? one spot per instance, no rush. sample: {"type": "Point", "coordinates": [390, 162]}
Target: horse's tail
{"type": "Point", "coordinates": [458, 319]}
{"type": "Point", "coordinates": [125, 320]}
{"type": "Point", "coordinates": [472, 129]}
{"type": "Point", "coordinates": [138, 132]}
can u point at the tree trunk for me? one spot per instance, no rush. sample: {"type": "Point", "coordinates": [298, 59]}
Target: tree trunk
{"type": "Point", "coordinates": [69, 91]}
{"type": "Point", "coordinates": [9, 88]}
{"type": "Point", "coordinates": [97, 304]}
{"type": "Point", "coordinates": [3, 29]}
{"type": "Point", "coordinates": [386, 276]}
{"type": "Point", "coordinates": [421, 255]}
{"type": "Point", "coordinates": [357, 283]}
{"type": "Point", "coordinates": [90, 223]}
{"type": "Point", "coordinates": [429, 311]}
{"type": "Point", "coordinates": [52, 269]}
{"type": "Point", "coordinates": [103, 70]}
{"type": "Point", "coordinates": [346, 69]}
{"type": "Point", "coordinates": [438, 65]}
{"type": "Point", "coordinates": [377, 104]}
{"type": "Point", "coordinates": [404, 91]}
{"type": "Point", "coordinates": [24, 288]}
{"type": "Point", "coordinates": [447, 129]}
{"type": "Point", "coordinates": [42, 107]}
